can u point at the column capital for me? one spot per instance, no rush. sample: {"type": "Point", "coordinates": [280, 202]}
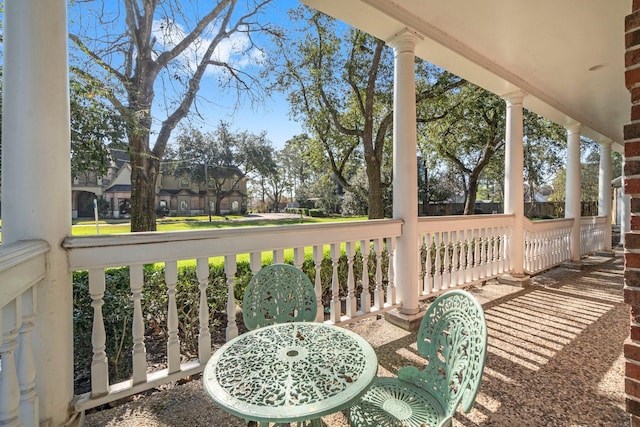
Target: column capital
{"type": "Point", "coordinates": [573, 127]}
{"type": "Point", "coordinates": [404, 41]}
{"type": "Point", "coordinates": [605, 142]}
{"type": "Point", "coordinates": [515, 97]}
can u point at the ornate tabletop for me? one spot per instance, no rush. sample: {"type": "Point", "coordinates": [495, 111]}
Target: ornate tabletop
{"type": "Point", "coordinates": [290, 372]}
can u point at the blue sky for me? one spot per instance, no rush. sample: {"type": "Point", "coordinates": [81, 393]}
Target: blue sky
{"type": "Point", "coordinates": [215, 104]}
{"type": "Point", "coordinates": [273, 116]}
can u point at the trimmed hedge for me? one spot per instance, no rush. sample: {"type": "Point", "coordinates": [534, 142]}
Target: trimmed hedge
{"type": "Point", "coordinates": [318, 213]}
{"type": "Point", "coordinates": [297, 211]}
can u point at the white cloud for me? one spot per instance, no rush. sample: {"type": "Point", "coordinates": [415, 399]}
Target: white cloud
{"type": "Point", "coordinates": [229, 50]}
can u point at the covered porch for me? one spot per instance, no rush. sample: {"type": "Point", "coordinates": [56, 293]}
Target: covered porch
{"type": "Point", "coordinates": [410, 259]}
{"type": "Point", "coordinates": [555, 358]}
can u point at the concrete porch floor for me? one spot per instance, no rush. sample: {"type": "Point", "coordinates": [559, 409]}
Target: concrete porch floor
{"type": "Point", "coordinates": [554, 358]}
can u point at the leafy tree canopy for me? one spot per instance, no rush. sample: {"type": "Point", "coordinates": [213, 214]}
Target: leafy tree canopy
{"type": "Point", "coordinates": [95, 126]}
{"type": "Point", "coordinates": [221, 158]}
{"type": "Point", "coordinates": [135, 49]}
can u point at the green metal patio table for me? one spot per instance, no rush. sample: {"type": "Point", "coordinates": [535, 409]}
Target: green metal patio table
{"type": "Point", "coordinates": [290, 372]}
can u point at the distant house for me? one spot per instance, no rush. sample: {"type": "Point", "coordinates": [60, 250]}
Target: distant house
{"type": "Point", "coordinates": [175, 195]}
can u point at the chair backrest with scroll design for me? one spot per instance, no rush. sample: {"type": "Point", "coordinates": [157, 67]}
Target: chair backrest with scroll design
{"type": "Point", "coordinates": [278, 293]}
{"type": "Point", "coordinates": [453, 339]}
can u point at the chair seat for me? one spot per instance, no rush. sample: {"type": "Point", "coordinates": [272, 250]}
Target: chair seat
{"type": "Point", "coordinates": [396, 403]}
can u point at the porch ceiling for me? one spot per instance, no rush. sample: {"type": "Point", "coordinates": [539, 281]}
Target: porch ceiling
{"type": "Point", "coordinates": [567, 55]}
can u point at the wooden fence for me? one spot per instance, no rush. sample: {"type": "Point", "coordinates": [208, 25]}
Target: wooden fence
{"type": "Point", "coordinates": [547, 210]}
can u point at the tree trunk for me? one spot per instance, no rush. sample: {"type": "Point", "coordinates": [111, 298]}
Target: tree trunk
{"type": "Point", "coordinates": [376, 191]}
{"type": "Point", "coordinates": [144, 172]}
{"type": "Point", "coordinates": [470, 202]}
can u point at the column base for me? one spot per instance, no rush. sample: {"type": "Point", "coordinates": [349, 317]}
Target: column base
{"type": "Point", "coordinates": [521, 280]}
{"type": "Point", "coordinates": [572, 265]}
{"type": "Point", "coordinates": [606, 252]}
{"type": "Point", "coordinates": [408, 322]}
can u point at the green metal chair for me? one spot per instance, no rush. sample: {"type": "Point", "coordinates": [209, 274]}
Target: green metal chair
{"type": "Point", "coordinates": [278, 293]}
{"type": "Point", "coordinates": [453, 339]}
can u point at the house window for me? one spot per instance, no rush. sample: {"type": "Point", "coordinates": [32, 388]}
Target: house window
{"type": "Point", "coordinates": [212, 184]}
{"type": "Point", "coordinates": [184, 183]}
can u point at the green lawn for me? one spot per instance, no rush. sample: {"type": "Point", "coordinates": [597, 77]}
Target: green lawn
{"type": "Point", "coordinates": [88, 227]}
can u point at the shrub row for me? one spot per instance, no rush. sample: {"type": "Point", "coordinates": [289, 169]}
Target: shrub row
{"type": "Point", "coordinates": [297, 211]}
{"type": "Point", "coordinates": [318, 213]}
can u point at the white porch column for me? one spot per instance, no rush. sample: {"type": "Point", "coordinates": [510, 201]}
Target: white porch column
{"type": "Point", "coordinates": [514, 179]}
{"type": "Point", "coordinates": [604, 190]}
{"type": "Point", "coordinates": [36, 196]}
{"type": "Point", "coordinates": [405, 171]}
{"type": "Point", "coordinates": [572, 198]}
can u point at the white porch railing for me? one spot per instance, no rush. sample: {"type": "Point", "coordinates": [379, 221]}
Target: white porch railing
{"type": "Point", "coordinates": [98, 253]}
{"type": "Point", "coordinates": [455, 251]}
{"type": "Point", "coordinates": [592, 234]}
{"type": "Point", "coordinates": [460, 250]}
{"type": "Point", "coordinates": [22, 267]}
{"type": "Point", "coordinates": [547, 244]}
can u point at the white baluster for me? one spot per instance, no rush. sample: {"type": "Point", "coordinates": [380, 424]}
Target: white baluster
{"type": "Point", "coordinates": [378, 294]}
{"type": "Point", "coordinates": [455, 259]}
{"type": "Point", "coordinates": [391, 276]}
{"type": "Point", "coordinates": [9, 388]}
{"type": "Point", "coordinates": [173, 341]}
{"type": "Point", "coordinates": [558, 247]}
{"type": "Point", "coordinates": [278, 256]}
{"type": "Point", "coordinates": [476, 255]}
{"type": "Point", "coordinates": [139, 352]}
{"type": "Point", "coordinates": [533, 254]}
{"type": "Point", "coordinates": [550, 245]}
{"type": "Point", "coordinates": [549, 248]}
{"type": "Point", "coordinates": [503, 242]}
{"type": "Point", "coordinates": [472, 242]}
{"type": "Point", "coordinates": [318, 256]}
{"type": "Point", "coordinates": [428, 265]}
{"type": "Point", "coordinates": [204, 333]}
{"type": "Point", "coordinates": [437, 275]}
{"type": "Point", "coordinates": [531, 248]}
{"type": "Point", "coordinates": [230, 269]}
{"type": "Point", "coordinates": [491, 245]}
{"type": "Point", "coordinates": [462, 257]}
{"type": "Point", "coordinates": [298, 257]}
{"type": "Point", "coordinates": [255, 262]}
{"type": "Point", "coordinates": [26, 362]}
{"type": "Point", "coordinates": [508, 250]}
{"type": "Point", "coordinates": [352, 301]}
{"type": "Point", "coordinates": [365, 297]}
{"type": "Point", "coordinates": [527, 244]}
{"type": "Point", "coordinates": [336, 308]}
{"type": "Point", "coordinates": [482, 266]}
{"type": "Point", "coordinates": [99, 363]}
{"type": "Point", "coordinates": [497, 248]}
{"type": "Point", "coordinates": [446, 261]}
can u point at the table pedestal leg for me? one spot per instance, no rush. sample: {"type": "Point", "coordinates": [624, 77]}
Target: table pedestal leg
{"type": "Point", "coordinates": [308, 423]}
